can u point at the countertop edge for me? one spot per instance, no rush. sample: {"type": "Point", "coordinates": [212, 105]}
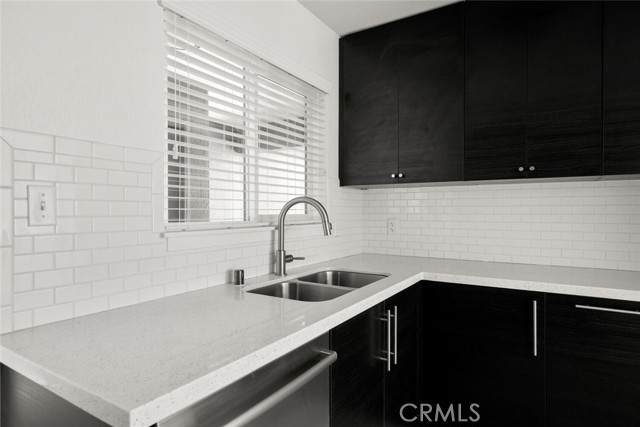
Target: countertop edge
{"type": "Point", "coordinates": [140, 416]}
{"type": "Point", "coordinates": [178, 399]}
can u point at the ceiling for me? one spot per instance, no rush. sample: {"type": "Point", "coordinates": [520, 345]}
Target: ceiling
{"type": "Point", "coordinates": [348, 16]}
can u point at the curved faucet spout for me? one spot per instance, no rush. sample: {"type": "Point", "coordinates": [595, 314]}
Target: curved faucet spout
{"type": "Point", "coordinates": [281, 256]}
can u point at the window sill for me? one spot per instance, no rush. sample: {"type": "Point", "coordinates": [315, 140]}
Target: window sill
{"type": "Point", "coordinates": [217, 238]}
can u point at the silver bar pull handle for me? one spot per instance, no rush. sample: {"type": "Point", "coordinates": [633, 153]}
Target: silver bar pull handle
{"type": "Point", "coordinates": [389, 352]}
{"type": "Point", "coordinates": [611, 310]}
{"type": "Point", "coordinates": [395, 334]}
{"type": "Point", "coordinates": [285, 391]}
{"type": "Point", "coordinates": [535, 328]}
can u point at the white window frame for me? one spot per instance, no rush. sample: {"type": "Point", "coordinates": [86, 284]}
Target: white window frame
{"type": "Point", "coordinates": [262, 220]}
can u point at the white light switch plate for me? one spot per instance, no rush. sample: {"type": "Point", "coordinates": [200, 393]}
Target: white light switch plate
{"type": "Point", "coordinates": [42, 205]}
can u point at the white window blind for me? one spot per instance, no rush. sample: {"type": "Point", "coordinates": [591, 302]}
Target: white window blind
{"type": "Point", "coordinates": [244, 136]}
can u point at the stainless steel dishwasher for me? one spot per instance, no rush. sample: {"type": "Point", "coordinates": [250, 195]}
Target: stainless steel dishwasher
{"type": "Point", "coordinates": [291, 391]}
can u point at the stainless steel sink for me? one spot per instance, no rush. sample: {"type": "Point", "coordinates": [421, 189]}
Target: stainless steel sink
{"type": "Point", "coordinates": [300, 291]}
{"type": "Point", "coordinates": [350, 279]}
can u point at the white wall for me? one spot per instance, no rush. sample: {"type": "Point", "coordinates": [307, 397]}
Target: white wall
{"type": "Point", "coordinates": [88, 69]}
{"type": "Point", "coordinates": [88, 116]}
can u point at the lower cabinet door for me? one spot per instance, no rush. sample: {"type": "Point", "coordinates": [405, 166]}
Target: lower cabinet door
{"type": "Point", "coordinates": [401, 376]}
{"type": "Point", "coordinates": [593, 362]}
{"type": "Point", "coordinates": [357, 382]}
{"type": "Point", "coordinates": [482, 356]}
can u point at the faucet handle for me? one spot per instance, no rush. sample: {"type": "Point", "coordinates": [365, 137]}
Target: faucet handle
{"type": "Point", "coordinates": [291, 258]}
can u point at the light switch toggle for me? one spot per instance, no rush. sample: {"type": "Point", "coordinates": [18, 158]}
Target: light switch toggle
{"type": "Point", "coordinates": [42, 205]}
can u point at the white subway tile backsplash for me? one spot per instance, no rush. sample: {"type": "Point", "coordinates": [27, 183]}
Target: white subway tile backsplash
{"type": "Point", "coordinates": [6, 319]}
{"type": "Point", "coordinates": [74, 191]}
{"type": "Point", "coordinates": [90, 306]}
{"type": "Point", "coordinates": [74, 147]}
{"type": "Point", "coordinates": [30, 263]}
{"type": "Point", "coordinates": [90, 175]}
{"type": "Point", "coordinates": [123, 269]}
{"type": "Point", "coordinates": [108, 287]}
{"type": "Point", "coordinates": [92, 272]}
{"type": "Point", "coordinates": [6, 164]}
{"type": "Point", "coordinates": [92, 208]}
{"type": "Point", "coordinates": [22, 320]}
{"type": "Point", "coordinates": [22, 245]}
{"type": "Point", "coordinates": [32, 156]}
{"type": "Point", "coordinates": [54, 278]}
{"type": "Point", "coordinates": [108, 192]}
{"type": "Point", "coordinates": [123, 299]}
{"type": "Point", "coordinates": [72, 293]}
{"type": "Point", "coordinates": [91, 240]}
{"type": "Point", "coordinates": [569, 223]}
{"type": "Point", "coordinates": [53, 243]}
{"type": "Point", "coordinates": [33, 299]}
{"type": "Point", "coordinates": [139, 194]}
{"type": "Point", "coordinates": [122, 178]}
{"type": "Point", "coordinates": [6, 273]}
{"type": "Point", "coordinates": [27, 140]}
{"type": "Point", "coordinates": [22, 282]}
{"type": "Point", "coordinates": [6, 216]}
{"type": "Point", "coordinates": [108, 255]}
{"type": "Point", "coordinates": [105, 224]}
{"type": "Point", "coordinates": [23, 170]}
{"type": "Point", "coordinates": [54, 313]}
{"type": "Point", "coordinates": [54, 173]}
{"type": "Point", "coordinates": [74, 225]}
{"type": "Point", "coordinates": [73, 259]}
{"type": "Point", "coordinates": [110, 152]}
{"type": "Point", "coordinates": [102, 253]}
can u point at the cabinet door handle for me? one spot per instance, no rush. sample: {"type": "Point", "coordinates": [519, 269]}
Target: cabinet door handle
{"type": "Point", "coordinates": [389, 352]}
{"type": "Point", "coordinates": [532, 168]}
{"type": "Point", "coordinates": [393, 175]}
{"type": "Point", "coordinates": [400, 175]}
{"type": "Point", "coordinates": [535, 328]}
{"type": "Point", "coordinates": [521, 169]}
{"type": "Point", "coordinates": [611, 310]}
{"type": "Point", "coordinates": [395, 334]}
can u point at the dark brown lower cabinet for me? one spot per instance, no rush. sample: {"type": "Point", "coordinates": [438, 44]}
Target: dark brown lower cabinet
{"type": "Point", "coordinates": [376, 370]}
{"type": "Point", "coordinates": [482, 352]}
{"type": "Point", "coordinates": [593, 362]}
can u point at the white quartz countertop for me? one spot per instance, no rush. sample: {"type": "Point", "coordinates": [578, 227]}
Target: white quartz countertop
{"type": "Point", "coordinates": [137, 365]}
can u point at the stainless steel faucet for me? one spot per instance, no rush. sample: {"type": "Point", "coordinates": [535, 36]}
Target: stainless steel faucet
{"type": "Point", "coordinates": [281, 255]}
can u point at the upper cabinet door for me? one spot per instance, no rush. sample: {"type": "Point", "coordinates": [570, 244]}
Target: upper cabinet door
{"type": "Point", "coordinates": [621, 87]}
{"type": "Point", "coordinates": [368, 107]}
{"type": "Point", "coordinates": [565, 89]}
{"type": "Point", "coordinates": [495, 90]}
{"type": "Point", "coordinates": [431, 95]}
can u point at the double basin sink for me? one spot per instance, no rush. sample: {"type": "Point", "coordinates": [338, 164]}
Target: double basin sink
{"type": "Point", "coordinates": [320, 286]}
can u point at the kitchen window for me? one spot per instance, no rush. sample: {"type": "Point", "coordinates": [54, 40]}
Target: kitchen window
{"type": "Point", "coordinates": [243, 135]}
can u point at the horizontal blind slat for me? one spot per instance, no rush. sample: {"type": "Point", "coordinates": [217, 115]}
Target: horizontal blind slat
{"type": "Point", "coordinates": [292, 140]}
{"type": "Point", "coordinates": [243, 136]}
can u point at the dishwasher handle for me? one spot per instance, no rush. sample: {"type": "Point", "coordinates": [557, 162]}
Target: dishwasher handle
{"type": "Point", "coordinates": [328, 357]}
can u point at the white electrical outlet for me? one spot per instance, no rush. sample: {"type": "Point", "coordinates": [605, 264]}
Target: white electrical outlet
{"type": "Point", "coordinates": [42, 205]}
{"type": "Point", "coordinates": [392, 226]}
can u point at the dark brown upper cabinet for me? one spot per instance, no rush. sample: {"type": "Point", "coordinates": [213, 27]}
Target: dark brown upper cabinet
{"type": "Point", "coordinates": [621, 87]}
{"type": "Point", "coordinates": [401, 100]}
{"type": "Point", "coordinates": [533, 98]}
{"type": "Point", "coordinates": [369, 107]}
{"type": "Point", "coordinates": [495, 90]}
{"type": "Point", "coordinates": [430, 96]}
{"type": "Point", "coordinates": [564, 96]}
